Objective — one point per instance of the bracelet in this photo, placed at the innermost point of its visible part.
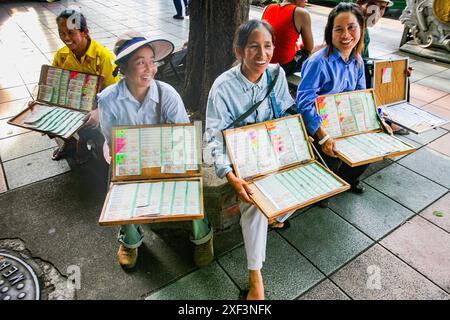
(324, 139)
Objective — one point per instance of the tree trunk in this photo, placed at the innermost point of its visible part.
(210, 50)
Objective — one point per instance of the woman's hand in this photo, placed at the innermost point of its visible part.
(387, 127)
(329, 148)
(241, 187)
(92, 120)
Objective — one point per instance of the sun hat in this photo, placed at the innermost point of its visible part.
(131, 41)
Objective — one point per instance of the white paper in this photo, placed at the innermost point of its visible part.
(386, 75)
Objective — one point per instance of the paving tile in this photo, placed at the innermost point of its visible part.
(426, 137)
(439, 111)
(326, 239)
(3, 185)
(24, 144)
(7, 130)
(209, 283)
(444, 74)
(443, 102)
(326, 290)
(287, 274)
(410, 189)
(375, 167)
(442, 205)
(436, 83)
(378, 275)
(429, 163)
(10, 109)
(441, 145)
(425, 93)
(372, 212)
(12, 94)
(32, 168)
(417, 102)
(10, 82)
(424, 247)
(426, 68)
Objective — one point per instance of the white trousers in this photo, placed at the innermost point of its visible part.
(254, 229)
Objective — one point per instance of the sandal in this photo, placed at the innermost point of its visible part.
(59, 154)
(286, 225)
(243, 294)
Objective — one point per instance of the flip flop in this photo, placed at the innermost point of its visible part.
(243, 294)
(59, 154)
(286, 225)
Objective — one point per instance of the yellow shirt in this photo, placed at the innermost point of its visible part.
(97, 60)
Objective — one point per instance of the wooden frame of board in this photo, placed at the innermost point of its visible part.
(259, 198)
(379, 129)
(19, 119)
(390, 88)
(151, 175)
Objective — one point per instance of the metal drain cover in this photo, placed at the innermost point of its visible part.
(18, 281)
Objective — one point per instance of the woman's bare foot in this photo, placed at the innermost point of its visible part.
(256, 286)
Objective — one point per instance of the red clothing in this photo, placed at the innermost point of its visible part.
(281, 18)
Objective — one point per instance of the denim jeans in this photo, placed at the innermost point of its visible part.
(131, 235)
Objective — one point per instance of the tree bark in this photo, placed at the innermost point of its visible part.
(210, 50)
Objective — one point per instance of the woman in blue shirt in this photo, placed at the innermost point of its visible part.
(138, 99)
(336, 68)
(232, 94)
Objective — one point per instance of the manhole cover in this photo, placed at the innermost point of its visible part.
(18, 281)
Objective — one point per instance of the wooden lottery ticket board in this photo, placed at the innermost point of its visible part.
(64, 98)
(351, 119)
(276, 159)
(156, 175)
(390, 84)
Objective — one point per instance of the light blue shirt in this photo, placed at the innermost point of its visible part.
(119, 107)
(326, 75)
(230, 96)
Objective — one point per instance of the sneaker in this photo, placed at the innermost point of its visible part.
(204, 253)
(357, 188)
(127, 257)
(178, 17)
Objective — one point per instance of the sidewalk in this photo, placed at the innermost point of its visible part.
(385, 244)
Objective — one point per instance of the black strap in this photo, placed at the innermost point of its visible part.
(256, 105)
(158, 105)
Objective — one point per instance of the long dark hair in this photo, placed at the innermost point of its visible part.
(344, 7)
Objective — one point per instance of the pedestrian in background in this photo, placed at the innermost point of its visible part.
(179, 8)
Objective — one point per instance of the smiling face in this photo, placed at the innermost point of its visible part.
(256, 55)
(75, 39)
(141, 68)
(346, 33)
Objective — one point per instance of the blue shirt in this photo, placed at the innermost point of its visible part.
(326, 75)
(119, 107)
(230, 96)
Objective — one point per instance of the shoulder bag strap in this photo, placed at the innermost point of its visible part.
(255, 106)
(158, 105)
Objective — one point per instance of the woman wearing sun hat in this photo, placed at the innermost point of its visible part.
(135, 100)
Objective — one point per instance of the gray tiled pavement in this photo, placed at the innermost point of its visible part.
(327, 254)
